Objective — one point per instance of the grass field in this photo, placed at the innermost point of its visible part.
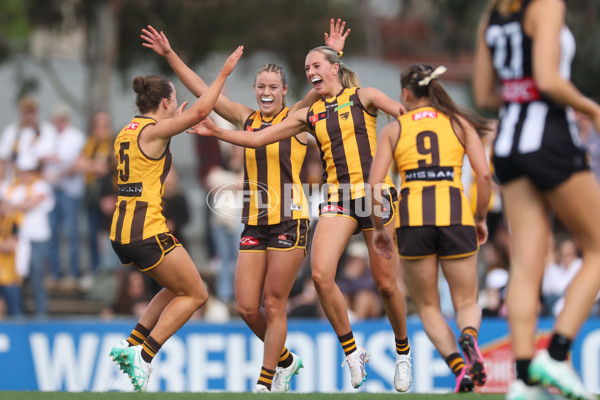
(239, 396)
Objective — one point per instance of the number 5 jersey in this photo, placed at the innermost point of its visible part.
(140, 179)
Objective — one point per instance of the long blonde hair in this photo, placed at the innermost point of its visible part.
(348, 78)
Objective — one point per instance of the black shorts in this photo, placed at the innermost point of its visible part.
(557, 159)
(287, 235)
(454, 241)
(148, 253)
(357, 210)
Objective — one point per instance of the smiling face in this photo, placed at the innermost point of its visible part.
(322, 75)
(270, 91)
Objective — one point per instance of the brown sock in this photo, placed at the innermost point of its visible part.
(138, 335)
(285, 359)
(348, 343)
(456, 363)
(266, 377)
(149, 349)
(402, 346)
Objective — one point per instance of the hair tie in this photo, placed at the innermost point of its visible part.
(434, 75)
(340, 54)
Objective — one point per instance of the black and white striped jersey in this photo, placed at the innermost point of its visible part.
(528, 119)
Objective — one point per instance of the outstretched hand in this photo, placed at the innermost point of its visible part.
(383, 244)
(181, 108)
(336, 37)
(156, 41)
(232, 60)
(205, 127)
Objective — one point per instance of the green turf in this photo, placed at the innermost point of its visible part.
(239, 396)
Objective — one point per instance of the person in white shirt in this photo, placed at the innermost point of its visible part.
(27, 137)
(558, 275)
(33, 196)
(61, 171)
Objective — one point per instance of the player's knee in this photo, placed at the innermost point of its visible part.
(322, 280)
(386, 288)
(246, 312)
(274, 307)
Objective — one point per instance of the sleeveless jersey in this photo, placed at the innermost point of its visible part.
(272, 176)
(429, 157)
(528, 118)
(9, 228)
(140, 182)
(347, 138)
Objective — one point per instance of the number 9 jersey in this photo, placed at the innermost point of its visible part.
(429, 156)
(140, 181)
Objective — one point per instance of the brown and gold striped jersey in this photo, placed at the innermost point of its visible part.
(429, 156)
(140, 182)
(272, 176)
(346, 134)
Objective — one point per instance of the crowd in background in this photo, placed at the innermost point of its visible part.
(53, 174)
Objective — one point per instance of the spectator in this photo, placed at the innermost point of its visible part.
(68, 184)
(134, 294)
(95, 163)
(558, 275)
(357, 285)
(34, 197)
(590, 140)
(496, 279)
(176, 208)
(28, 137)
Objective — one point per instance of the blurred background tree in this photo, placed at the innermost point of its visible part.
(394, 30)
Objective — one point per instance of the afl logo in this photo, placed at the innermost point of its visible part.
(228, 199)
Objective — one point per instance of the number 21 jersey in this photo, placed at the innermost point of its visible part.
(140, 181)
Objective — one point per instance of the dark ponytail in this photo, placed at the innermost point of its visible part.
(422, 81)
(150, 91)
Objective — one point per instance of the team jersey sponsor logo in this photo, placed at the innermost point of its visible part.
(520, 90)
(348, 104)
(251, 129)
(425, 114)
(317, 117)
(296, 207)
(333, 208)
(430, 174)
(133, 126)
(130, 189)
(248, 241)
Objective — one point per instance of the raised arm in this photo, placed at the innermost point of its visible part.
(166, 128)
(484, 75)
(379, 167)
(483, 175)
(374, 99)
(544, 21)
(292, 125)
(236, 113)
(336, 39)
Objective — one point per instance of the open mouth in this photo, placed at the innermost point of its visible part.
(316, 82)
(266, 100)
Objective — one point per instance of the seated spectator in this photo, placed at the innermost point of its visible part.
(357, 285)
(558, 275)
(496, 279)
(134, 295)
